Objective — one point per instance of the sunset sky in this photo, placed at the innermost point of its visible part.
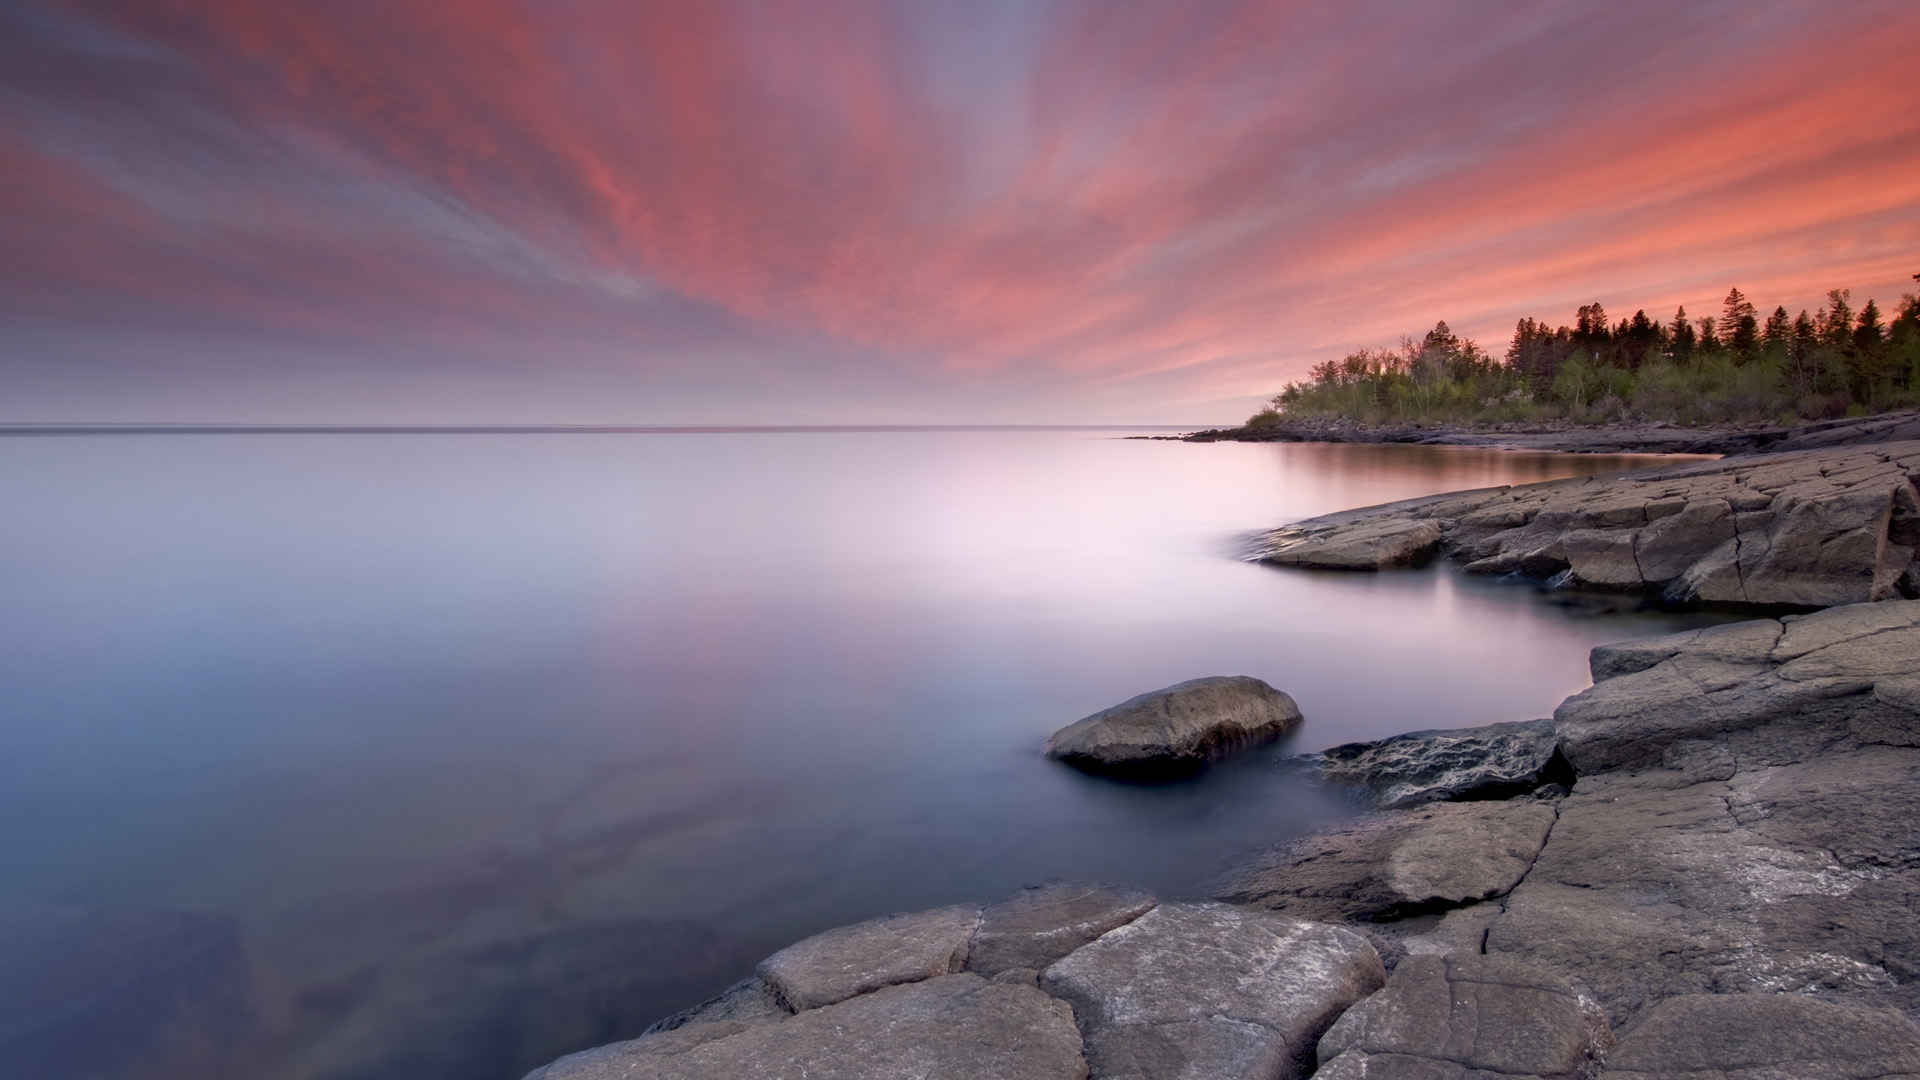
(838, 211)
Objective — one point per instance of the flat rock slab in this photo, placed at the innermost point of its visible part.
(1400, 863)
(1811, 529)
(1458, 1016)
(1177, 728)
(1495, 761)
(1212, 992)
(1816, 673)
(953, 1027)
(850, 960)
(1725, 875)
(1765, 1037)
(1037, 926)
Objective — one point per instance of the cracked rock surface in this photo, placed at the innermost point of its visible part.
(1731, 883)
(1765, 1037)
(1745, 820)
(1389, 866)
(1810, 528)
(1212, 992)
(1464, 1016)
(850, 960)
(1085, 981)
(958, 1026)
(1795, 684)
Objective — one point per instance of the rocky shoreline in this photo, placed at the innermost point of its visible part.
(1567, 437)
(1707, 865)
(1806, 529)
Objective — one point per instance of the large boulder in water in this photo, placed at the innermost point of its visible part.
(1178, 728)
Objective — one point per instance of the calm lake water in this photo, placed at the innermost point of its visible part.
(437, 756)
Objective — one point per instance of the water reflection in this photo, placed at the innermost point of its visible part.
(445, 755)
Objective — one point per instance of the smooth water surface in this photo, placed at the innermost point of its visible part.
(436, 756)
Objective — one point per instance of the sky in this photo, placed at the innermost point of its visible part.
(858, 211)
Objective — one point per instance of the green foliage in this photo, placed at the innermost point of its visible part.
(1729, 371)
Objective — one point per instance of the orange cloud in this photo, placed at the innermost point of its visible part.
(1205, 197)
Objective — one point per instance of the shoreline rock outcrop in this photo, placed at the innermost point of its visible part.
(1061, 982)
(1809, 529)
(1567, 437)
(1745, 819)
(1705, 865)
(1177, 728)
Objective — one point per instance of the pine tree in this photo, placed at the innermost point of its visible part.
(1803, 360)
(1865, 368)
(1836, 322)
(1778, 329)
(1739, 325)
(1708, 341)
(1680, 340)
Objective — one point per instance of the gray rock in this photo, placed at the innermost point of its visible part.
(1814, 676)
(749, 1001)
(1765, 1037)
(1367, 540)
(1037, 926)
(1498, 760)
(1177, 728)
(1726, 873)
(1396, 864)
(955, 1026)
(850, 960)
(1456, 1016)
(1814, 528)
(1211, 992)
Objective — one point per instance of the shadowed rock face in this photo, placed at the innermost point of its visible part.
(1389, 866)
(1495, 761)
(1806, 529)
(1800, 681)
(1178, 728)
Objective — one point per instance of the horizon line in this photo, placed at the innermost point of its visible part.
(170, 428)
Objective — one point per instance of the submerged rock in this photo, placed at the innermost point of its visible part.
(1211, 992)
(1806, 529)
(1177, 728)
(1458, 1016)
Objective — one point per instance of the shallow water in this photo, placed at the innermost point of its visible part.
(381, 755)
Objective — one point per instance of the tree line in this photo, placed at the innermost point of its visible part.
(1736, 367)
